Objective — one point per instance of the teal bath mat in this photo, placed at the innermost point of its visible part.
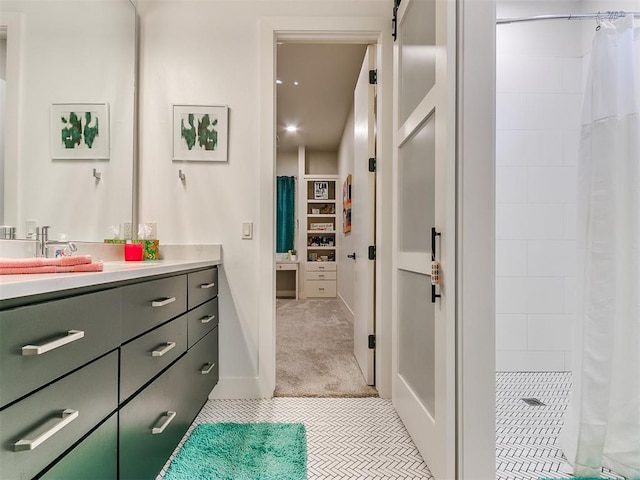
(242, 451)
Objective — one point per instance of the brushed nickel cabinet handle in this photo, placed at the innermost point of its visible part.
(207, 319)
(71, 336)
(170, 416)
(67, 416)
(208, 285)
(206, 368)
(162, 303)
(168, 346)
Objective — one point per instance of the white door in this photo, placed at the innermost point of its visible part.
(424, 198)
(363, 217)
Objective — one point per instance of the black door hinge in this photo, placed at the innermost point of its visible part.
(372, 342)
(372, 252)
(394, 20)
(372, 164)
(373, 77)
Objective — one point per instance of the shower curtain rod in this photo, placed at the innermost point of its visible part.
(577, 16)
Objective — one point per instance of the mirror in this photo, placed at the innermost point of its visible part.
(65, 56)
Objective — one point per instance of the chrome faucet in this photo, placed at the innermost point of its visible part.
(43, 243)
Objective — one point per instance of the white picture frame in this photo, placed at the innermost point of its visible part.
(80, 131)
(211, 145)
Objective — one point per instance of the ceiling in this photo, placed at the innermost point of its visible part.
(320, 104)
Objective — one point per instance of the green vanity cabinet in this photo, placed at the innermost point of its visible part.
(113, 401)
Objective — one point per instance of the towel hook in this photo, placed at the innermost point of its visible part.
(181, 175)
(97, 174)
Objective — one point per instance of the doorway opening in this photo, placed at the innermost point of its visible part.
(315, 252)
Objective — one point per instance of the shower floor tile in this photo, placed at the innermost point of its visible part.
(347, 438)
(526, 436)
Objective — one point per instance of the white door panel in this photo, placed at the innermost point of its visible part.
(424, 167)
(363, 217)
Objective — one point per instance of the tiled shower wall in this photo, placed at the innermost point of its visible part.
(539, 97)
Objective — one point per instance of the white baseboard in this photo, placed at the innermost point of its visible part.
(346, 308)
(236, 388)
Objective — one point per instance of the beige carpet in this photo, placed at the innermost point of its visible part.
(314, 351)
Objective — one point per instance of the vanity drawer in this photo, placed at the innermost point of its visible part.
(321, 275)
(148, 304)
(202, 320)
(86, 396)
(202, 370)
(321, 266)
(320, 288)
(143, 452)
(203, 286)
(96, 458)
(146, 356)
(41, 342)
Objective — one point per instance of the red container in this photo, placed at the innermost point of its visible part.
(133, 252)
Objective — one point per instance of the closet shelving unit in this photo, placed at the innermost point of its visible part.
(321, 215)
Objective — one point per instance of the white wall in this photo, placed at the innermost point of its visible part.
(539, 97)
(72, 52)
(321, 163)
(287, 164)
(346, 266)
(201, 53)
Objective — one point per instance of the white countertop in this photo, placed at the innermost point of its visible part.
(15, 286)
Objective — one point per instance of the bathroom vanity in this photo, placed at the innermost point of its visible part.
(101, 374)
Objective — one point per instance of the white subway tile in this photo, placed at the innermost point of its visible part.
(570, 292)
(544, 111)
(543, 147)
(550, 258)
(552, 184)
(528, 361)
(511, 332)
(511, 295)
(541, 75)
(570, 221)
(572, 75)
(511, 111)
(508, 74)
(511, 258)
(511, 184)
(572, 110)
(545, 295)
(541, 221)
(511, 147)
(512, 221)
(570, 146)
(549, 332)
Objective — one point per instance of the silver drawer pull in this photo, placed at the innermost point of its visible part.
(321, 288)
(168, 346)
(207, 319)
(162, 303)
(208, 285)
(68, 416)
(206, 368)
(170, 416)
(321, 275)
(71, 336)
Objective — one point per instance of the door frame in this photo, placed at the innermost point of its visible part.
(475, 288)
(372, 30)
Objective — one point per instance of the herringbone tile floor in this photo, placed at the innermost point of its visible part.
(526, 436)
(347, 438)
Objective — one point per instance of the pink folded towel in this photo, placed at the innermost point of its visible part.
(44, 262)
(96, 266)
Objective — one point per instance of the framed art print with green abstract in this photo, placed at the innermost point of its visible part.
(80, 131)
(200, 133)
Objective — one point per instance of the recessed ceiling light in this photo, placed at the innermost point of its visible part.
(295, 83)
(291, 128)
(279, 82)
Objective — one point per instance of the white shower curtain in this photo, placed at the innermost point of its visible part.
(602, 422)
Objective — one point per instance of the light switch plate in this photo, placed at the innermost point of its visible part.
(247, 230)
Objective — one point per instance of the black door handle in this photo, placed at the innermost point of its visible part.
(353, 255)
